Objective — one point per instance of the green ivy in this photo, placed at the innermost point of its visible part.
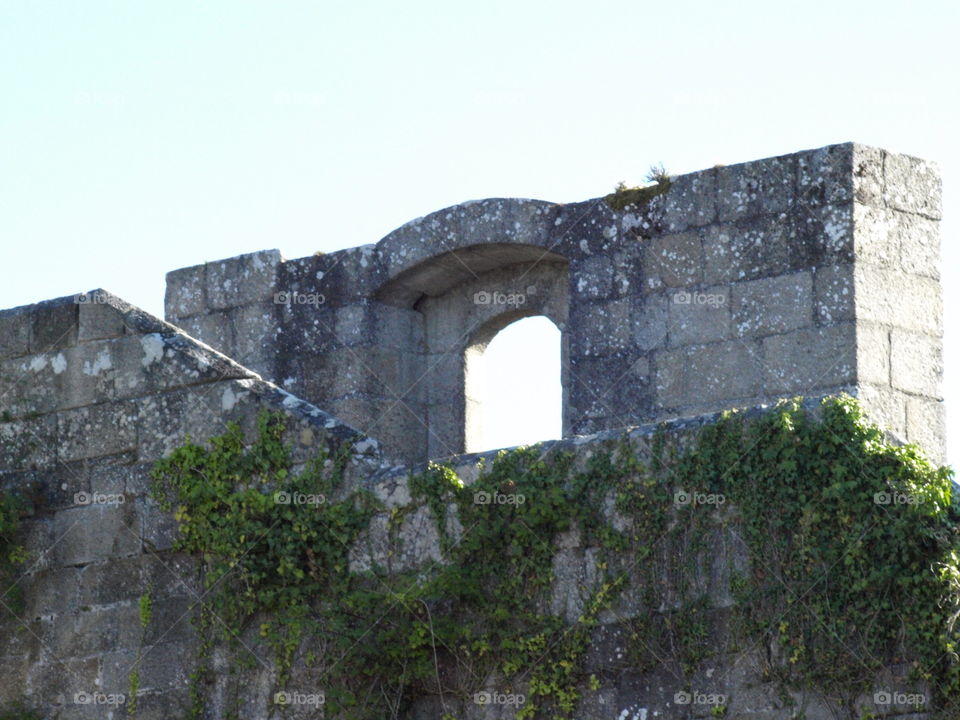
(12, 553)
(840, 581)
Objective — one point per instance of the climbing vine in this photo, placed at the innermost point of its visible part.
(11, 552)
(852, 541)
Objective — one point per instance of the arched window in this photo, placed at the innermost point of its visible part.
(513, 385)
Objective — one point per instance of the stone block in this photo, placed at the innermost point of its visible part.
(712, 374)
(54, 325)
(696, 317)
(39, 540)
(99, 321)
(99, 630)
(255, 330)
(876, 235)
(824, 176)
(754, 188)
(821, 235)
(87, 374)
(60, 681)
(613, 325)
(884, 407)
(214, 330)
(772, 305)
(13, 672)
(752, 248)
(171, 575)
(115, 580)
(31, 385)
(29, 444)
(49, 592)
(833, 294)
(95, 533)
(649, 316)
(691, 201)
(810, 359)
(628, 269)
(873, 354)
(674, 261)
(14, 333)
(158, 530)
(242, 280)
(613, 387)
(161, 667)
(344, 277)
(926, 426)
(171, 620)
(913, 185)
(916, 363)
(593, 278)
(164, 705)
(868, 175)
(186, 293)
(106, 429)
(896, 298)
(919, 244)
(401, 428)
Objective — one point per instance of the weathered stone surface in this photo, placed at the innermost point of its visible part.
(809, 359)
(833, 294)
(703, 374)
(825, 176)
(14, 333)
(885, 407)
(96, 430)
(915, 364)
(95, 533)
(868, 175)
(186, 292)
(99, 321)
(926, 426)
(755, 188)
(691, 201)
(873, 354)
(772, 305)
(674, 261)
(699, 317)
(802, 274)
(54, 325)
(912, 185)
(895, 298)
(242, 280)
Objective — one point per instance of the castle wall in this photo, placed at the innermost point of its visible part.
(94, 392)
(802, 274)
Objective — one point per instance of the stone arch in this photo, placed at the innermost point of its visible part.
(465, 296)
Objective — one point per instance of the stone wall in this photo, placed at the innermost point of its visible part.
(802, 274)
(93, 393)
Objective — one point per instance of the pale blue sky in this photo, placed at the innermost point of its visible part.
(140, 137)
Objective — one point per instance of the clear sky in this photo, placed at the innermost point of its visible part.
(139, 137)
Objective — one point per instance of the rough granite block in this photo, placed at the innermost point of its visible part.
(14, 333)
(186, 293)
(810, 359)
(913, 185)
(99, 321)
(772, 305)
(54, 325)
(916, 363)
(755, 188)
(698, 317)
(242, 280)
